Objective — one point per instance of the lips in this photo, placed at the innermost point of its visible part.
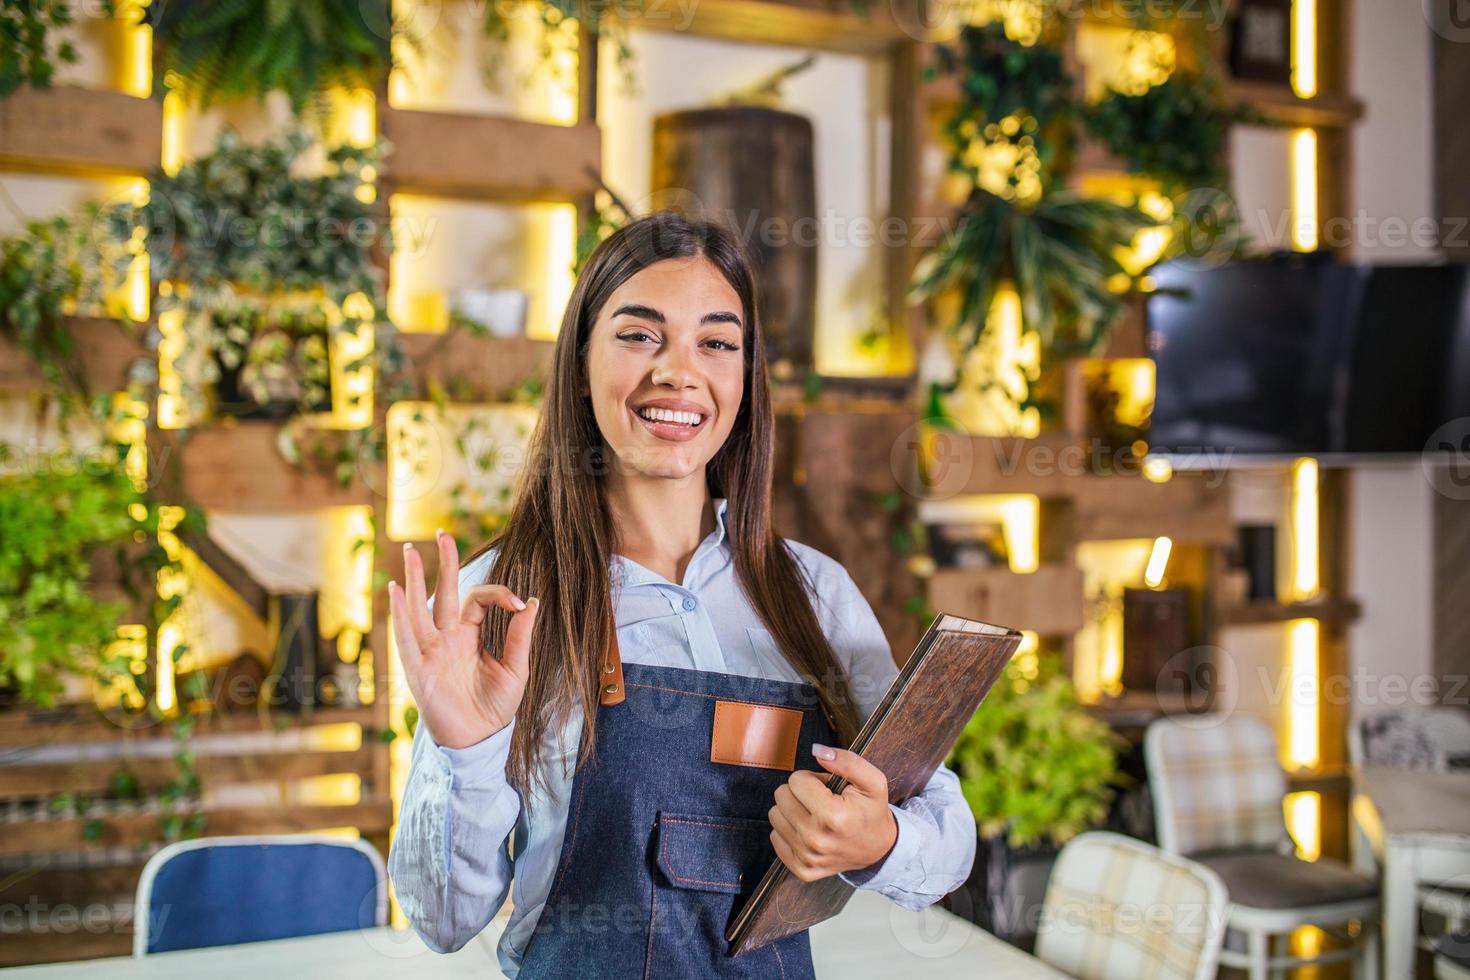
(671, 431)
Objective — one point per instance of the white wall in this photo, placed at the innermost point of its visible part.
(1391, 527)
(1391, 517)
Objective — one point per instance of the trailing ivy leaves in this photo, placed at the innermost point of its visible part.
(28, 54)
(1032, 763)
(212, 51)
(49, 271)
(243, 241)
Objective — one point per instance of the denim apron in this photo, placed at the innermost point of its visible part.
(663, 846)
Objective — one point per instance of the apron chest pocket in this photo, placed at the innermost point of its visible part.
(713, 854)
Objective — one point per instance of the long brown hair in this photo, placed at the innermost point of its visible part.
(559, 538)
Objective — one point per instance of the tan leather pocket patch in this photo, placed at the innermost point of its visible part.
(755, 735)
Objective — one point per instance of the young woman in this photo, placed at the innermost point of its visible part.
(625, 700)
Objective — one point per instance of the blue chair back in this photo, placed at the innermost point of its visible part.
(219, 891)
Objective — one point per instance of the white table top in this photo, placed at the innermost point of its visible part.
(871, 938)
(1409, 801)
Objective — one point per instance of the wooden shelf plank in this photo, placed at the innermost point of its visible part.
(1337, 611)
(138, 829)
(826, 25)
(487, 367)
(74, 723)
(492, 158)
(93, 776)
(103, 352)
(1047, 601)
(1189, 508)
(239, 468)
(78, 131)
(1279, 104)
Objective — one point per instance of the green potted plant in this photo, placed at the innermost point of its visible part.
(62, 515)
(1037, 769)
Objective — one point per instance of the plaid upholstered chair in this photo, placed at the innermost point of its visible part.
(1218, 792)
(1118, 909)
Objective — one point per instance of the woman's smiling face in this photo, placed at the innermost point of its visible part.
(666, 367)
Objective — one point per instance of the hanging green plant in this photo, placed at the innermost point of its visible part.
(29, 53)
(557, 24)
(212, 51)
(1175, 132)
(1033, 764)
(248, 246)
(1011, 97)
(50, 271)
(1060, 253)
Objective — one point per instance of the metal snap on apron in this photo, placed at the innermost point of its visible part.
(664, 845)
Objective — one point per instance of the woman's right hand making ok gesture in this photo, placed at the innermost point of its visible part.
(464, 693)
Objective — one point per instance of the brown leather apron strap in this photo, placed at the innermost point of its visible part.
(610, 678)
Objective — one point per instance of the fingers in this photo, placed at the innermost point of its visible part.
(416, 597)
(860, 774)
(783, 826)
(446, 588)
(477, 603)
(810, 790)
(408, 647)
(517, 653)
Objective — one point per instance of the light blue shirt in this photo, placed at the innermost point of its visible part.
(454, 857)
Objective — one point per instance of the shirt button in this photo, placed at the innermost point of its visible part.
(690, 604)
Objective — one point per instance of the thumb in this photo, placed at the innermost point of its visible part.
(861, 775)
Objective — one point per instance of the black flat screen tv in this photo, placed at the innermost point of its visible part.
(1301, 355)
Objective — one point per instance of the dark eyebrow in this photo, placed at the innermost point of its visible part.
(649, 313)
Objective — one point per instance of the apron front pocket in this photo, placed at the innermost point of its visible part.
(713, 854)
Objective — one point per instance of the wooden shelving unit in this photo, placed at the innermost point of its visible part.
(83, 848)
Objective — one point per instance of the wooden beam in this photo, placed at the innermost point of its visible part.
(1048, 600)
(78, 723)
(475, 367)
(239, 468)
(139, 829)
(825, 25)
(1336, 611)
(1279, 104)
(78, 131)
(93, 776)
(491, 158)
(1189, 508)
(103, 352)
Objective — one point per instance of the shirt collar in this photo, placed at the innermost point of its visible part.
(631, 573)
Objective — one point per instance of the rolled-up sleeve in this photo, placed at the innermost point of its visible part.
(935, 847)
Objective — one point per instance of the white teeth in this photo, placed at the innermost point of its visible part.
(665, 415)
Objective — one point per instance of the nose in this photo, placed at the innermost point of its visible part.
(673, 368)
